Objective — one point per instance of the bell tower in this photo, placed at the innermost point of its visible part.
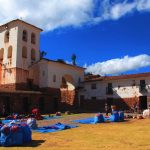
(19, 49)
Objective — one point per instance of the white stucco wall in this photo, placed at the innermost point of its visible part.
(25, 62)
(49, 68)
(15, 40)
(126, 90)
(8, 75)
(13, 31)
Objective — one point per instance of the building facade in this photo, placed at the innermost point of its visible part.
(123, 91)
(26, 80)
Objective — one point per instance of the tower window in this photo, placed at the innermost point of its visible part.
(32, 54)
(6, 37)
(33, 38)
(54, 78)
(9, 55)
(24, 52)
(1, 53)
(43, 73)
(93, 86)
(24, 35)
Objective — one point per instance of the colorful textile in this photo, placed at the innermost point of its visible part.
(15, 134)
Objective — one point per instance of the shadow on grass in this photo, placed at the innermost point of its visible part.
(34, 143)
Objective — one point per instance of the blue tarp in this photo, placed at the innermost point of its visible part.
(116, 117)
(85, 121)
(15, 134)
(5, 121)
(9, 121)
(54, 128)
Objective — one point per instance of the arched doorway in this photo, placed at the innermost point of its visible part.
(6, 105)
(68, 82)
(42, 104)
(55, 103)
(67, 90)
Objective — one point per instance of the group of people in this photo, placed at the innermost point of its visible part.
(109, 108)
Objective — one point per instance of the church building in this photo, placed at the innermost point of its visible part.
(26, 79)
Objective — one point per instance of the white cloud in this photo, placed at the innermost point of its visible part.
(120, 10)
(119, 65)
(53, 14)
(48, 14)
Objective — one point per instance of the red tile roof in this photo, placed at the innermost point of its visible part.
(91, 78)
(22, 22)
(63, 63)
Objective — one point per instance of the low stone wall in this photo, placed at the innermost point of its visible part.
(99, 105)
(92, 105)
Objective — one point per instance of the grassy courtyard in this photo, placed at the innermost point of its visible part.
(128, 135)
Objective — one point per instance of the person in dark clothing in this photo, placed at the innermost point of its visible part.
(106, 109)
(135, 107)
(3, 111)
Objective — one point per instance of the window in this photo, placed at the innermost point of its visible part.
(110, 85)
(133, 83)
(93, 86)
(6, 39)
(142, 86)
(54, 78)
(42, 104)
(1, 53)
(79, 80)
(43, 73)
(82, 97)
(33, 38)
(32, 54)
(24, 52)
(24, 35)
(93, 98)
(109, 89)
(9, 55)
(142, 82)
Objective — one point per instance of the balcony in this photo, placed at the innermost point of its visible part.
(109, 90)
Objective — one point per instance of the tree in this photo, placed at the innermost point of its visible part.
(73, 59)
(42, 54)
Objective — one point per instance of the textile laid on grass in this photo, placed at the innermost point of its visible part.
(85, 121)
(15, 134)
(99, 118)
(5, 121)
(54, 128)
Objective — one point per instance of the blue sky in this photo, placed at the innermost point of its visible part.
(111, 39)
(129, 35)
(107, 36)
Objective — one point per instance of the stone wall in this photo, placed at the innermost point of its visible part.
(99, 105)
(24, 102)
